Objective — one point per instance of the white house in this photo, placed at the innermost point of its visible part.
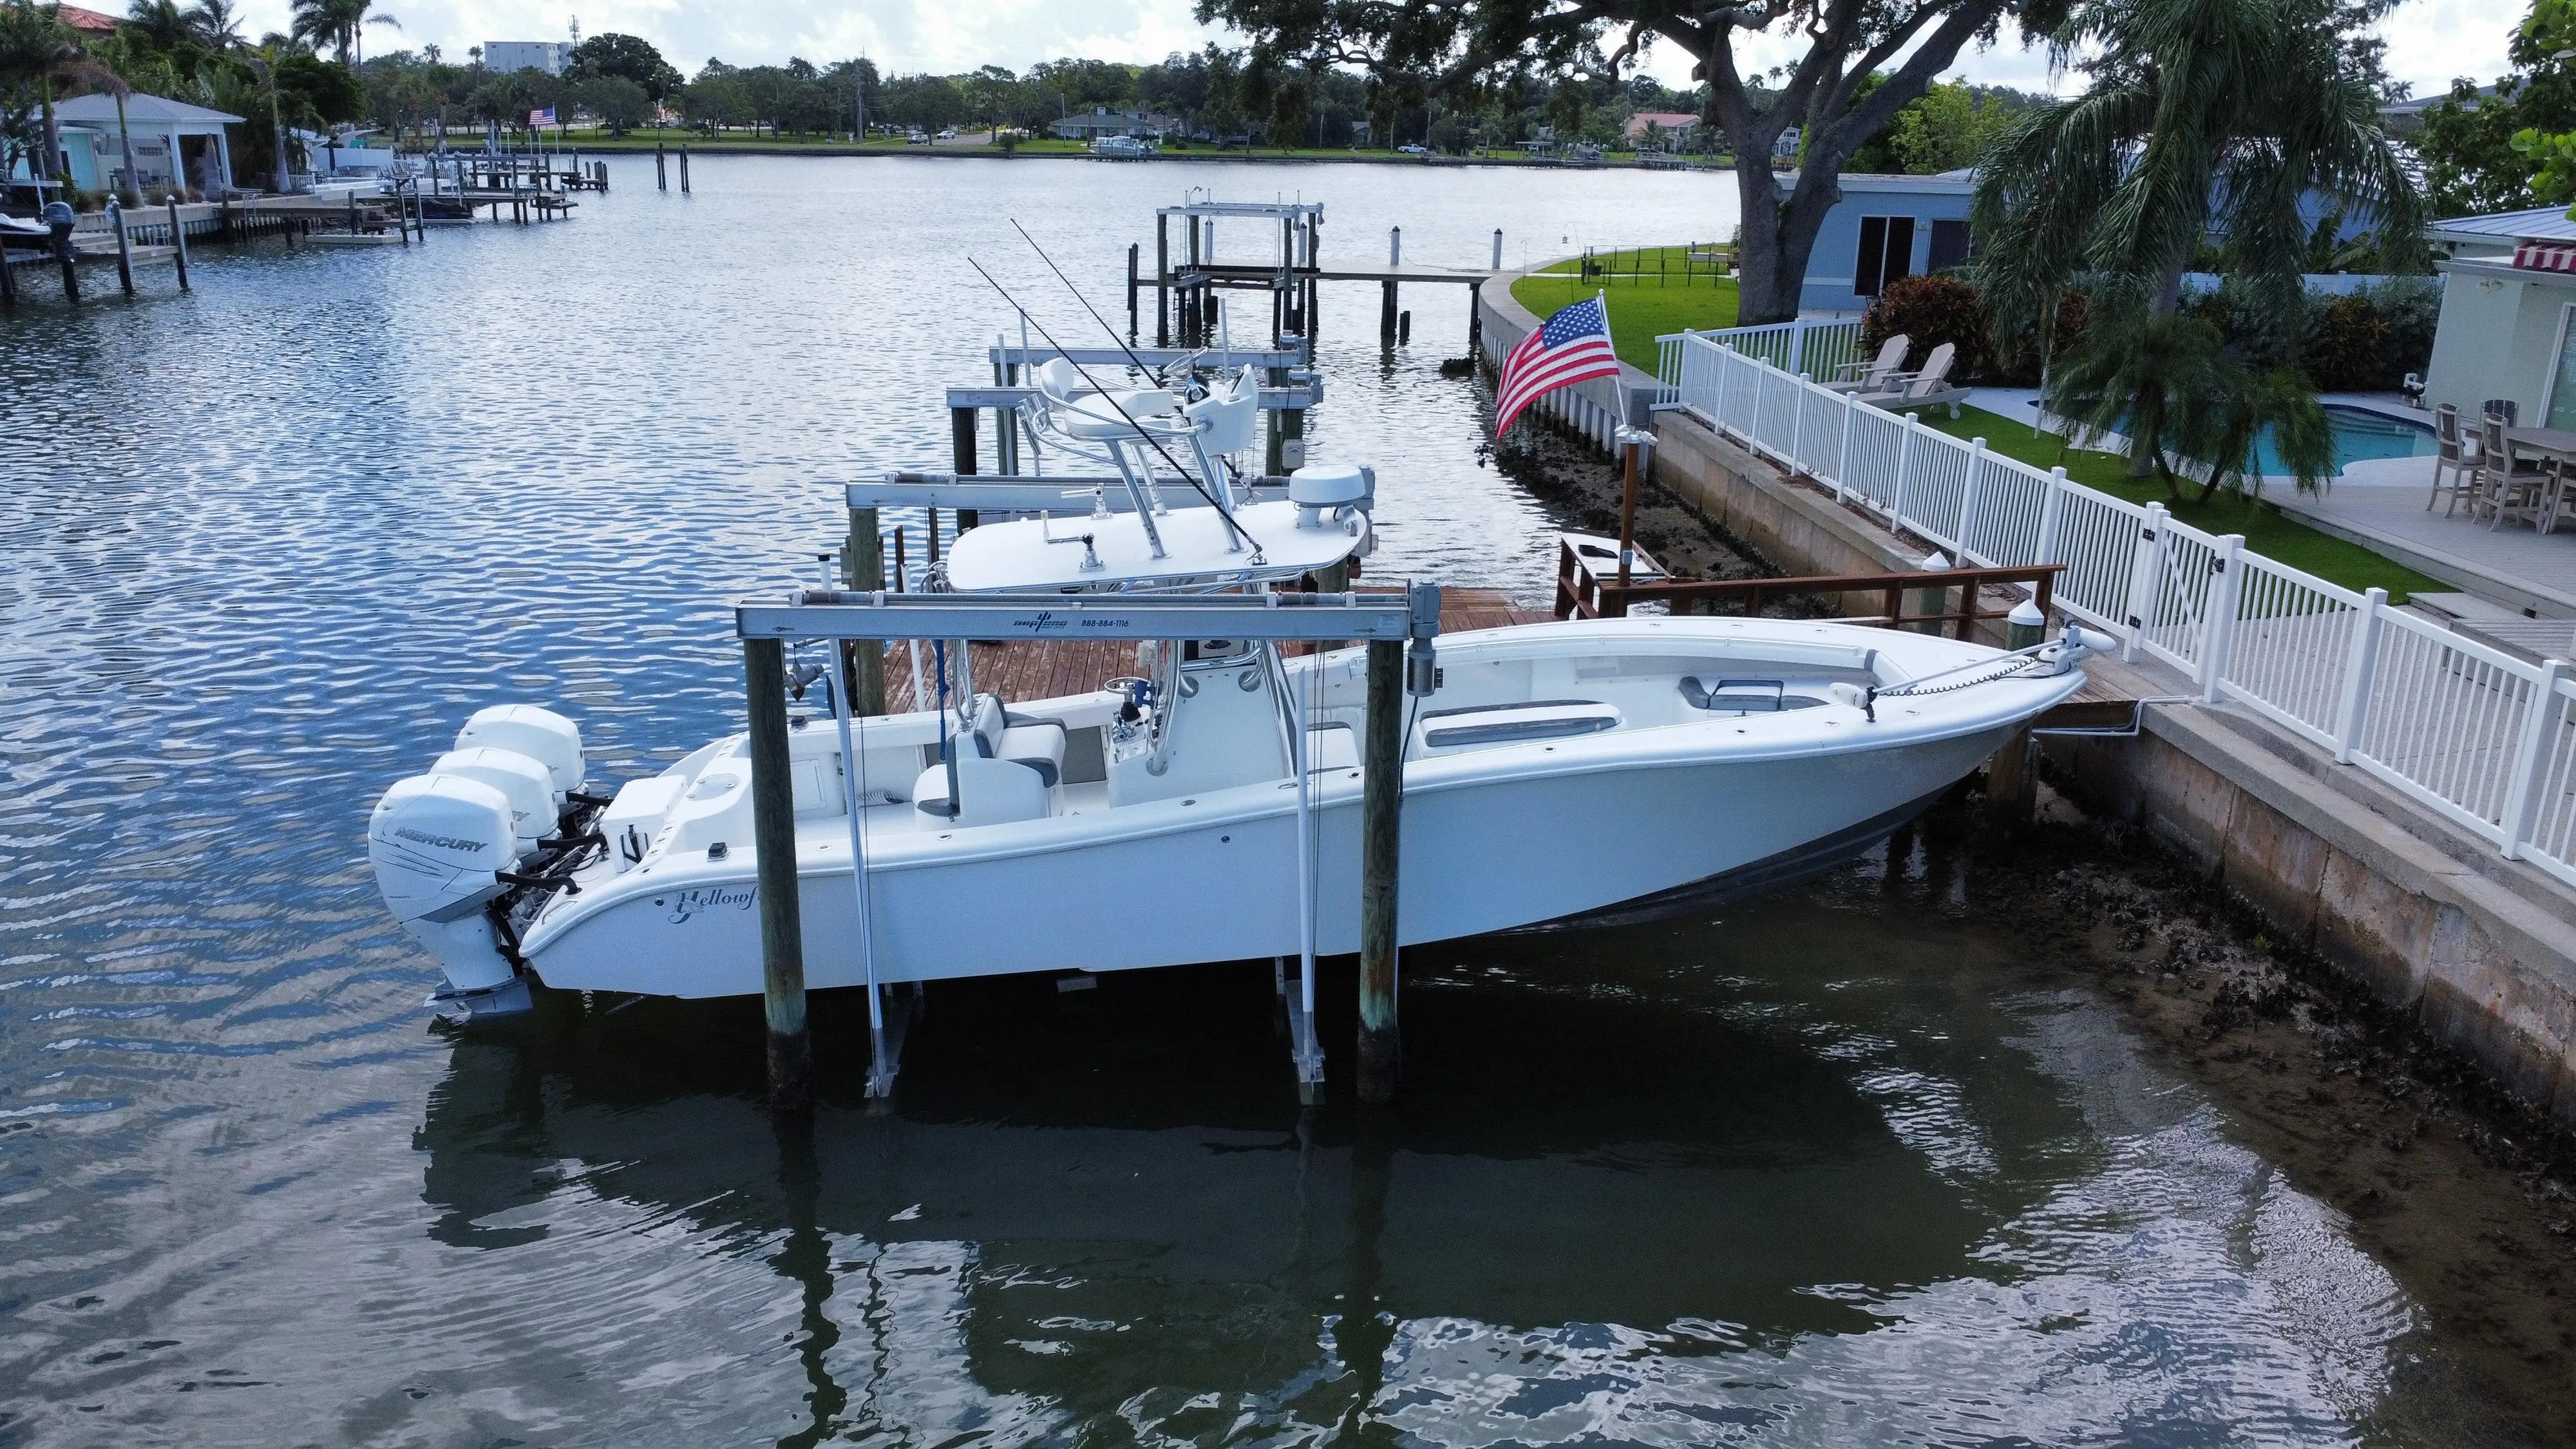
(177, 146)
(2508, 295)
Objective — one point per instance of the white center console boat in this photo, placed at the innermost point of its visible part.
(1551, 770)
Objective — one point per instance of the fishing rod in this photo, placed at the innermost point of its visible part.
(1132, 358)
(1124, 415)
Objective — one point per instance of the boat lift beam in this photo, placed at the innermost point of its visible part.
(1399, 630)
(1317, 618)
(1154, 357)
(992, 493)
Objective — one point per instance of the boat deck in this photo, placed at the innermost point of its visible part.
(1052, 668)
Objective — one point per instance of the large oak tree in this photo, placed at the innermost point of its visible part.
(1457, 47)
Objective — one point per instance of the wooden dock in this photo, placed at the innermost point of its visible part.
(1023, 669)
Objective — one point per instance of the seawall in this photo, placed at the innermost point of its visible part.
(2478, 951)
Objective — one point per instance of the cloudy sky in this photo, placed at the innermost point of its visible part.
(2430, 41)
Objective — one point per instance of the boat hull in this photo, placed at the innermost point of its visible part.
(1213, 878)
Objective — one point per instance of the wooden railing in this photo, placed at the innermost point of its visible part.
(1904, 599)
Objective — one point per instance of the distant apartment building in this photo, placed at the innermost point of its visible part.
(550, 56)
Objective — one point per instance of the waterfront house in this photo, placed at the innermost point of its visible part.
(1883, 228)
(2508, 297)
(1102, 121)
(1675, 126)
(177, 146)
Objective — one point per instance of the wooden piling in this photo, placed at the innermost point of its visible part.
(1628, 511)
(2012, 780)
(178, 242)
(124, 249)
(1404, 328)
(1132, 250)
(1386, 313)
(1475, 319)
(71, 274)
(684, 171)
(1162, 280)
(863, 568)
(782, 926)
(961, 441)
(1381, 816)
(661, 167)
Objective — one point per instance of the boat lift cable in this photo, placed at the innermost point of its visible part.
(1108, 397)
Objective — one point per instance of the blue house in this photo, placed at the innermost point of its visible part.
(1885, 227)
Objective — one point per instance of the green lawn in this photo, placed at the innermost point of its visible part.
(1640, 310)
(2267, 530)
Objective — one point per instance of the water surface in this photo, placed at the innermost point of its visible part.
(1836, 1168)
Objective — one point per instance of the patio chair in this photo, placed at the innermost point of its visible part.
(2452, 451)
(2515, 488)
(1926, 389)
(1872, 376)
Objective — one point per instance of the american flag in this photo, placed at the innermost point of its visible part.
(1571, 346)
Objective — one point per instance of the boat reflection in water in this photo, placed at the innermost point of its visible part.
(1619, 1205)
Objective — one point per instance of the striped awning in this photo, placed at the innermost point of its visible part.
(2539, 256)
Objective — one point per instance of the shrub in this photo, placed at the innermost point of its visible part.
(1930, 311)
(2369, 341)
(2017, 360)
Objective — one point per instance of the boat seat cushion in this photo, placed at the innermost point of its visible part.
(993, 792)
(1486, 726)
(985, 723)
(1039, 745)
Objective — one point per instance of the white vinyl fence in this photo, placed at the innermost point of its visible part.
(2487, 740)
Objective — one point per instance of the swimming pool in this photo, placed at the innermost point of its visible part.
(2359, 433)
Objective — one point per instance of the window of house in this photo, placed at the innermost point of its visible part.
(2561, 412)
(1949, 246)
(1886, 253)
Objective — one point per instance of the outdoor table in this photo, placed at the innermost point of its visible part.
(2556, 444)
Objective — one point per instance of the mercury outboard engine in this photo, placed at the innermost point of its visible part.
(436, 842)
(465, 852)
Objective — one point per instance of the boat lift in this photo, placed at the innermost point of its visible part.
(1399, 630)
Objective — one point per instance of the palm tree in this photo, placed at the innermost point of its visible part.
(217, 23)
(2171, 387)
(160, 21)
(2207, 122)
(336, 23)
(37, 49)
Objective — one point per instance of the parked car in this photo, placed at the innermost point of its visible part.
(950, 134)
(916, 138)
(1412, 150)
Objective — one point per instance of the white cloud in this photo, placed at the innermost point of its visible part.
(2429, 41)
(901, 35)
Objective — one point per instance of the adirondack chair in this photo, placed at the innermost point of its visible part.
(1873, 376)
(1928, 388)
